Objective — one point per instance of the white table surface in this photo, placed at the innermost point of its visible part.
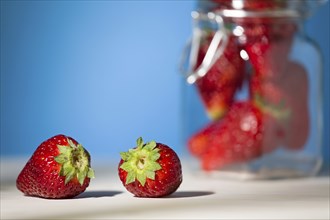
(199, 197)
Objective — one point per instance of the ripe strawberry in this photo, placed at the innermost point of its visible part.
(295, 84)
(198, 143)
(268, 45)
(286, 100)
(272, 101)
(59, 168)
(150, 170)
(270, 97)
(217, 88)
(244, 134)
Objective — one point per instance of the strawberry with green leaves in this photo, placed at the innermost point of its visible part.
(150, 170)
(58, 169)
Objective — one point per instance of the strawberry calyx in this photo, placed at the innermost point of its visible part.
(74, 161)
(217, 111)
(140, 162)
(279, 111)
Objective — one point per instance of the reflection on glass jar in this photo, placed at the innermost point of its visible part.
(252, 97)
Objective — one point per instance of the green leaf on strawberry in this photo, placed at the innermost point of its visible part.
(75, 162)
(280, 111)
(150, 170)
(141, 163)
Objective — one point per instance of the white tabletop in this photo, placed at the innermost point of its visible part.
(199, 197)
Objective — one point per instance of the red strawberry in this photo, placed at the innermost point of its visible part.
(243, 135)
(286, 100)
(295, 84)
(150, 170)
(238, 139)
(59, 168)
(272, 101)
(198, 143)
(270, 97)
(268, 46)
(217, 88)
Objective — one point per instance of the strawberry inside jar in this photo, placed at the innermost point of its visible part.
(252, 56)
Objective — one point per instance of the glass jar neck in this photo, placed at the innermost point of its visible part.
(238, 13)
(260, 8)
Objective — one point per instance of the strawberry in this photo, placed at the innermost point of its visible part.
(237, 140)
(272, 101)
(268, 46)
(244, 134)
(59, 168)
(217, 88)
(295, 84)
(150, 170)
(198, 143)
(286, 100)
(270, 97)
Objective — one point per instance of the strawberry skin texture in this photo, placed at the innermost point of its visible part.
(166, 180)
(41, 175)
(268, 45)
(197, 144)
(218, 87)
(238, 139)
(295, 85)
(286, 99)
(243, 135)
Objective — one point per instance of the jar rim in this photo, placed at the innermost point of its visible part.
(293, 9)
(239, 13)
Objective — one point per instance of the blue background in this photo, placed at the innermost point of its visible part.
(103, 72)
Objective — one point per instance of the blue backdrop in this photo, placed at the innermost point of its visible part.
(103, 72)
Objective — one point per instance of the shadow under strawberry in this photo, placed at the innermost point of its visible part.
(98, 194)
(188, 194)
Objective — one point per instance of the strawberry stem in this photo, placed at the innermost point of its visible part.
(141, 163)
(75, 162)
(279, 111)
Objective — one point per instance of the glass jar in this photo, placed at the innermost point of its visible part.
(252, 94)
